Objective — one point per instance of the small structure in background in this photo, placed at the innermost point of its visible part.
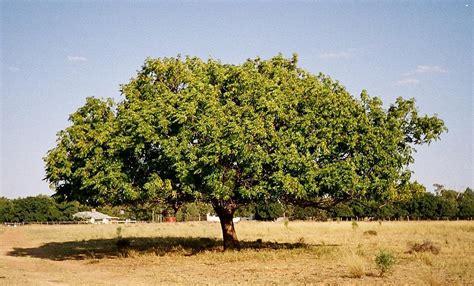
(248, 218)
(95, 217)
(214, 218)
(170, 219)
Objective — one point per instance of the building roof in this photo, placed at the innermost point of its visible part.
(93, 214)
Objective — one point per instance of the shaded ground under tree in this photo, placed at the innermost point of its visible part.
(121, 247)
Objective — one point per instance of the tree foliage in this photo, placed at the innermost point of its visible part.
(264, 130)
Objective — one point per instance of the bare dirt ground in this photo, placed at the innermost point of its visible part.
(272, 253)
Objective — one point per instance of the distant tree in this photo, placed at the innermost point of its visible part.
(447, 201)
(342, 210)
(466, 204)
(193, 211)
(269, 211)
(68, 209)
(244, 211)
(448, 204)
(438, 188)
(7, 211)
(303, 213)
(39, 208)
(144, 212)
(424, 206)
(230, 135)
(387, 212)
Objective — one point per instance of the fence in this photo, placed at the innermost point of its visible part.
(67, 222)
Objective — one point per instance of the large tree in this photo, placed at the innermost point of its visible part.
(265, 130)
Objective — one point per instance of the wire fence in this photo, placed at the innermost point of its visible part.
(71, 222)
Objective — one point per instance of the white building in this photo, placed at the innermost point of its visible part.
(95, 217)
(214, 218)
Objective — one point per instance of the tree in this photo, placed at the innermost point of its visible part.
(342, 211)
(68, 209)
(81, 167)
(229, 135)
(268, 211)
(38, 208)
(7, 211)
(297, 212)
(448, 204)
(424, 205)
(466, 204)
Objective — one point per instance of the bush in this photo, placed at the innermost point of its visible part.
(384, 262)
(370, 232)
(426, 246)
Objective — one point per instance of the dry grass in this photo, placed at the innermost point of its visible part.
(434, 279)
(356, 265)
(273, 253)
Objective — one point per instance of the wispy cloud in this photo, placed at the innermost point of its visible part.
(76, 59)
(13, 69)
(411, 78)
(336, 55)
(430, 69)
(425, 69)
(408, 82)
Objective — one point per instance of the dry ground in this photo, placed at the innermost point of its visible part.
(273, 253)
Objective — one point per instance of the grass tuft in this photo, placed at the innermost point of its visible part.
(356, 266)
(355, 225)
(129, 253)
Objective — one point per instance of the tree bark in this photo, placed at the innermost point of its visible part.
(225, 212)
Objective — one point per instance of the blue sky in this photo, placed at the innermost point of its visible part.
(55, 54)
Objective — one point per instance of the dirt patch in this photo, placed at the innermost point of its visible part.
(12, 237)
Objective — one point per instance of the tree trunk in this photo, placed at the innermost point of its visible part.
(225, 212)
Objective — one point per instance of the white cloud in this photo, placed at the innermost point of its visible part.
(335, 55)
(430, 69)
(408, 82)
(410, 78)
(76, 59)
(13, 69)
(425, 69)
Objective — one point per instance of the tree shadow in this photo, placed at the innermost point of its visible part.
(123, 247)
